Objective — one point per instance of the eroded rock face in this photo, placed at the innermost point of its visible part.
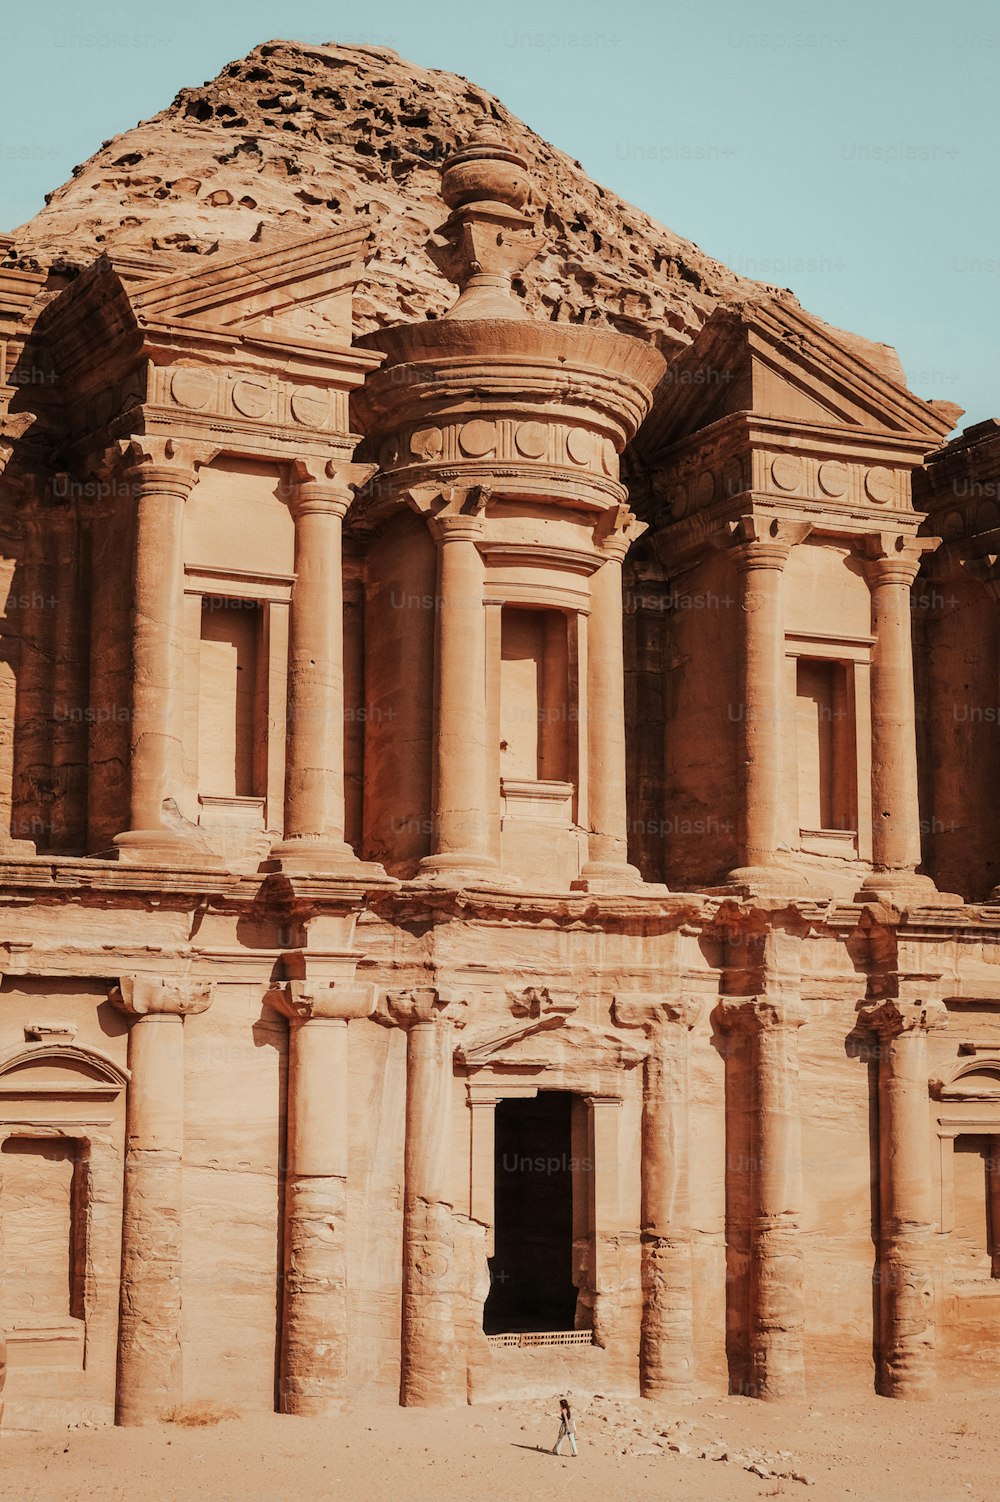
(294, 139)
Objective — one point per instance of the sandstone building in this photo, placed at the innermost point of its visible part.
(498, 793)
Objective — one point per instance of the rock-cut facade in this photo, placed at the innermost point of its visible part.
(498, 829)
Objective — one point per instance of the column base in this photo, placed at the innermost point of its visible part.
(145, 847)
(905, 889)
(765, 881)
(610, 877)
(307, 854)
(462, 868)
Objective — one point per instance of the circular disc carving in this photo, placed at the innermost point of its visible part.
(252, 398)
(580, 445)
(786, 472)
(833, 477)
(477, 439)
(609, 459)
(311, 406)
(427, 443)
(879, 486)
(531, 439)
(191, 388)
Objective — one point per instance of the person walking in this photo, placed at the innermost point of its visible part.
(567, 1429)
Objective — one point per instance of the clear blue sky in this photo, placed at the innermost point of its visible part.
(849, 152)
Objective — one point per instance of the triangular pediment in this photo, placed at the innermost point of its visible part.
(775, 362)
(298, 293)
(299, 290)
(545, 1041)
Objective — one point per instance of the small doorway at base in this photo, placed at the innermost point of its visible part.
(531, 1271)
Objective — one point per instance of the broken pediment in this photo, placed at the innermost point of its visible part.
(297, 293)
(299, 290)
(777, 363)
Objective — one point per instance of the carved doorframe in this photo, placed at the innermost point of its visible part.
(593, 1064)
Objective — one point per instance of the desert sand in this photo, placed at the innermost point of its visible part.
(881, 1452)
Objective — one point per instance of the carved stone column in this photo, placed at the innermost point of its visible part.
(464, 764)
(314, 757)
(29, 651)
(315, 1310)
(68, 708)
(904, 1275)
(666, 1352)
(607, 866)
(760, 554)
(162, 476)
(149, 1332)
(766, 1025)
(429, 1366)
(891, 562)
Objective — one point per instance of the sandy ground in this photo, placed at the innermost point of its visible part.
(879, 1452)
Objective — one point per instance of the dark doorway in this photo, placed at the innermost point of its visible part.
(531, 1271)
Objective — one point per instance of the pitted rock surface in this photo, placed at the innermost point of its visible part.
(295, 139)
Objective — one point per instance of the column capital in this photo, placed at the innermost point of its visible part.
(454, 513)
(760, 542)
(616, 530)
(893, 1017)
(422, 1004)
(330, 1001)
(161, 996)
(541, 1001)
(763, 1013)
(325, 487)
(639, 1009)
(158, 465)
(894, 557)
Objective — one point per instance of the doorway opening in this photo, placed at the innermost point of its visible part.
(531, 1271)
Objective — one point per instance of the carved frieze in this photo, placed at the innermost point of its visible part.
(812, 477)
(243, 396)
(506, 440)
